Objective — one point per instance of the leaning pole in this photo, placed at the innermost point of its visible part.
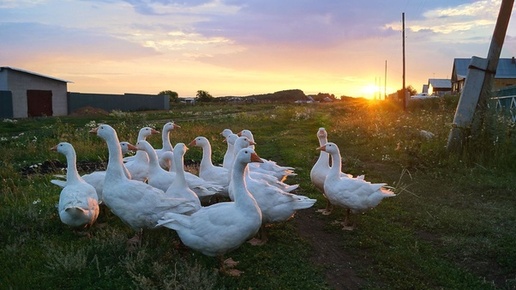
(479, 80)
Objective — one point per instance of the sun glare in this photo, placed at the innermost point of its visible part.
(370, 91)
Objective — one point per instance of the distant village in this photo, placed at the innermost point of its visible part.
(29, 94)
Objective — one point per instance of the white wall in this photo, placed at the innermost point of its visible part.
(19, 82)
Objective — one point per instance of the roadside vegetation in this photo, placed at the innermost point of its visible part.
(451, 225)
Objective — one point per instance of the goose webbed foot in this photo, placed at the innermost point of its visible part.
(135, 242)
(227, 267)
(261, 238)
(327, 210)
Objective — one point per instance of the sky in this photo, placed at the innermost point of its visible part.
(240, 48)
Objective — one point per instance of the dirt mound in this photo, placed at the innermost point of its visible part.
(89, 111)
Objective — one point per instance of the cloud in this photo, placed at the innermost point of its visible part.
(35, 40)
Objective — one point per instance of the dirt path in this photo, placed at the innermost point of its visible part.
(327, 251)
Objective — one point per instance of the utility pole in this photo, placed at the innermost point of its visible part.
(403, 90)
(385, 82)
(477, 88)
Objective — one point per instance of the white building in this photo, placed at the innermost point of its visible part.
(28, 94)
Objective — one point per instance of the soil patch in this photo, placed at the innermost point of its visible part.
(89, 111)
(56, 166)
(327, 251)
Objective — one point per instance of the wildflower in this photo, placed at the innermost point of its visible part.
(36, 201)
(91, 124)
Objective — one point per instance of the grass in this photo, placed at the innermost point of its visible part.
(451, 225)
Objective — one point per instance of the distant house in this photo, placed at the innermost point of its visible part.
(439, 87)
(425, 89)
(28, 94)
(505, 73)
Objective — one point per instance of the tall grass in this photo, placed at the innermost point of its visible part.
(451, 225)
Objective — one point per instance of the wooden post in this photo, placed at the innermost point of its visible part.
(477, 88)
(493, 55)
(404, 89)
(468, 101)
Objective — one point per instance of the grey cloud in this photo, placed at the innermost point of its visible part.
(38, 39)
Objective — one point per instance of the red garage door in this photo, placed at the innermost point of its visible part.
(39, 103)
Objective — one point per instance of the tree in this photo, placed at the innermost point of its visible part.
(203, 96)
(411, 90)
(173, 96)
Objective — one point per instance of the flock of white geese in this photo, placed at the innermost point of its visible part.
(152, 189)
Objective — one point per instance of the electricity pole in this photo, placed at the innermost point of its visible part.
(403, 90)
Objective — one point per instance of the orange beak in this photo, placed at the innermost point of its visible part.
(256, 158)
(94, 130)
(131, 147)
(193, 143)
(322, 148)
(53, 148)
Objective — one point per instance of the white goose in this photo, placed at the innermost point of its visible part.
(230, 138)
(207, 171)
(165, 140)
(277, 205)
(96, 178)
(137, 204)
(78, 202)
(138, 165)
(268, 166)
(219, 228)
(162, 179)
(179, 187)
(354, 194)
(321, 168)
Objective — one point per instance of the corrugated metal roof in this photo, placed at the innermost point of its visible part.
(506, 68)
(33, 73)
(440, 83)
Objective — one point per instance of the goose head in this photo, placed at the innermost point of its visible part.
(169, 126)
(199, 141)
(329, 147)
(247, 155)
(104, 131)
(226, 132)
(321, 133)
(143, 146)
(62, 147)
(146, 132)
(127, 147)
(180, 148)
(246, 133)
(243, 142)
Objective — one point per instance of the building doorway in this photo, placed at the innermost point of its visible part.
(39, 103)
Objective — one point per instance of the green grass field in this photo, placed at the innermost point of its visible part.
(450, 227)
